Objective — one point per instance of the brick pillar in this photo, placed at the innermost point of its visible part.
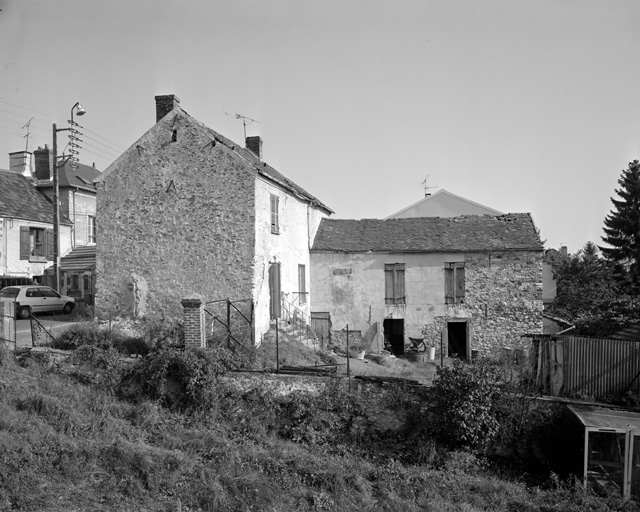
(193, 319)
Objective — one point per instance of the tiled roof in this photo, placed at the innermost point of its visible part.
(79, 259)
(82, 176)
(20, 199)
(263, 168)
(513, 231)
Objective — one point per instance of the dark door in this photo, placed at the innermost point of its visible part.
(274, 290)
(457, 346)
(394, 335)
(321, 325)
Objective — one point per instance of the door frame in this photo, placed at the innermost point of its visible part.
(467, 334)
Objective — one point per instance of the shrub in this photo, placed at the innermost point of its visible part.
(465, 399)
(178, 378)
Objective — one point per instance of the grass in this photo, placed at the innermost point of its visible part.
(68, 446)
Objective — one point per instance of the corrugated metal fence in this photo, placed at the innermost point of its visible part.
(594, 367)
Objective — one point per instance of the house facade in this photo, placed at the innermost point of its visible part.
(77, 196)
(473, 283)
(26, 224)
(443, 204)
(185, 210)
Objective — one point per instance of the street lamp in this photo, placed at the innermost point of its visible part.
(56, 192)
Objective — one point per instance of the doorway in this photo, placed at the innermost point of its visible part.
(394, 335)
(457, 339)
(274, 290)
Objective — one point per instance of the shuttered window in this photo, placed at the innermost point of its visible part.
(36, 243)
(275, 214)
(394, 283)
(454, 283)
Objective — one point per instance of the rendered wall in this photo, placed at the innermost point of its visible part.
(10, 262)
(503, 294)
(298, 222)
(174, 218)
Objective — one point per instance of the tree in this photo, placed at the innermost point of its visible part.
(584, 282)
(622, 227)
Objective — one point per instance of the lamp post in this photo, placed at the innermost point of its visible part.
(56, 195)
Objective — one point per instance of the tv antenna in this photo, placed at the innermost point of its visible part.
(424, 185)
(27, 126)
(245, 120)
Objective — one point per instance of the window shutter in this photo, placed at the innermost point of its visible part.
(49, 244)
(388, 284)
(459, 281)
(449, 284)
(25, 243)
(400, 284)
(275, 221)
(302, 284)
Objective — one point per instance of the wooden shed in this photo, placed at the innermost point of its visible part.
(605, 449)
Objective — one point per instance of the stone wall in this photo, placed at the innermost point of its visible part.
(176, 210)
(503, 298)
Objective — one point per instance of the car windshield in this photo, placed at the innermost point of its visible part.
(9, 292)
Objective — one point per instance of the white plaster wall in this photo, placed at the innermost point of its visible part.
(298, 222)
(351, 287)
(81, 205)
(10, 248)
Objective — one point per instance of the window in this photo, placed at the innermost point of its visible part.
(36, 244)
(454, 283)
(302, 285)
(275, 220)
(92, 229)
(394, 283)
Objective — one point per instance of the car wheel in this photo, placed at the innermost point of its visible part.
(24, 313)
(68, 308)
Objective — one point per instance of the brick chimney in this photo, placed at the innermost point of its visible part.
(254, 144)
(43, 162)
(165, 104)
(20, 163)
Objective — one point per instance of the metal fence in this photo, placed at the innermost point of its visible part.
(230, 321)
(593, 367)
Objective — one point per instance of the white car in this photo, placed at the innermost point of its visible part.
(35, 299)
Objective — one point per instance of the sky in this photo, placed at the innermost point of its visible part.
(522, 106)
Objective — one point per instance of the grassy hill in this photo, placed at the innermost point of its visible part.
(96, 432)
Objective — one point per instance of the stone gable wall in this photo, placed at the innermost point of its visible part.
(503, 301)
(175, 216)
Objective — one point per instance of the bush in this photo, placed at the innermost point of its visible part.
(465, 400)
(178, 378)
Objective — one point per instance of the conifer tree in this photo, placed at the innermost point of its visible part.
(622, 226)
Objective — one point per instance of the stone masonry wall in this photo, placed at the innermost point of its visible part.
(176, 211)
(503, 298)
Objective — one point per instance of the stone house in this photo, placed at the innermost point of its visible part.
(187, 211)
(474, 282)
(26, 224)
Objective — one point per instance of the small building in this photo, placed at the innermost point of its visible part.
(472, 283)
(603, 449)
(185, 210)
(26, 224)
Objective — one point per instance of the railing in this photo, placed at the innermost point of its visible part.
(298, 321)
(231, 321)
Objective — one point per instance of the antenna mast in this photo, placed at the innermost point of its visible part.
(424, 185)
(27, 125)
(245, 120)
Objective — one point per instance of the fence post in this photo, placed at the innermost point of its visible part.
(193, 319)
(7, 319)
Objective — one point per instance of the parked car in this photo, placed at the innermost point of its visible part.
(36, 299)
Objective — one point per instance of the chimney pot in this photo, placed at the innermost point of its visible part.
(165, 104)
(254, 144)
